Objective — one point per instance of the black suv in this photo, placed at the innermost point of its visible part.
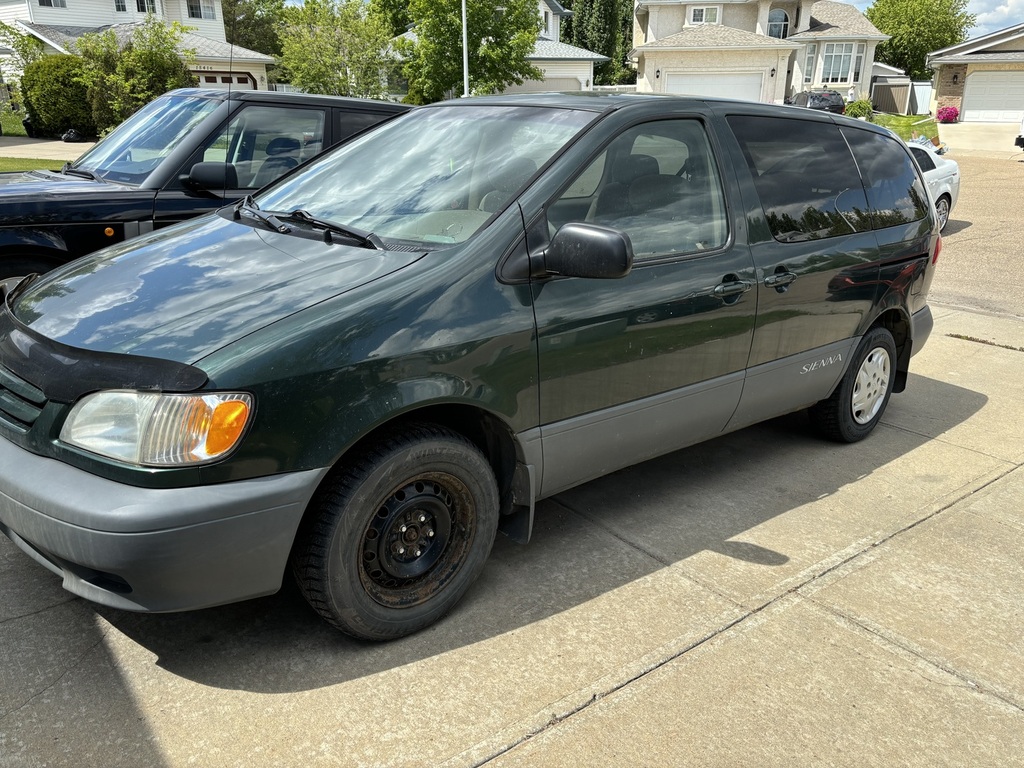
(186, 153)
(365, 370)
(828, 100)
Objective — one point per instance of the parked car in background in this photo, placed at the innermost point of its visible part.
(364, 371)
(822, 98)
(186, 153)
(941, 174)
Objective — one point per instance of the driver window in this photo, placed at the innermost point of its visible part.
(262, 143)
(658, 183)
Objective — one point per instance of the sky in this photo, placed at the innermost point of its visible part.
(992, 15)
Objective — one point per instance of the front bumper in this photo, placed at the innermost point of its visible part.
(146, 549)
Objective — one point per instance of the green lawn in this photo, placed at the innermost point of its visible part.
(11, 122)
(28, 164)
(906, 125)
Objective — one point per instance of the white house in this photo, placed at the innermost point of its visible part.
(218, 64)
(565, 67)
(758, 50)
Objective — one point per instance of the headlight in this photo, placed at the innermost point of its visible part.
(158, 430)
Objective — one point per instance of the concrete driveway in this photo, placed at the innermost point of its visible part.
(983, 137)
(762, 599)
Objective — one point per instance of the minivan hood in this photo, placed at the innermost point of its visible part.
(186, 291)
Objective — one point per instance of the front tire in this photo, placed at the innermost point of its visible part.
(396, 539)
(857, 404)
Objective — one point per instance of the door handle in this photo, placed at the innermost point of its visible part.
(779, 279)
(732, 289)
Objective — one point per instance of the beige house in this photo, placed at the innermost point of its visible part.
(218, 64)
(758, 50)
(983, 78)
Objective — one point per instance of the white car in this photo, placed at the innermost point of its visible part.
(942, 176)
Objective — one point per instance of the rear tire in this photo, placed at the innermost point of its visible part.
(857, 404)
(942, 211)
(396, 539)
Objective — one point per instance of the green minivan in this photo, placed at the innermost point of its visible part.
(364, 371)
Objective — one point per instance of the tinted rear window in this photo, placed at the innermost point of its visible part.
(895, 192)
(805, 176)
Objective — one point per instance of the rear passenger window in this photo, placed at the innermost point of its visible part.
(805, 176)
(658, 182)
(895, 191)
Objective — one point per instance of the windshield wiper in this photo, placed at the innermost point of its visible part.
(67, 170)
(364, 238)
(248, 206)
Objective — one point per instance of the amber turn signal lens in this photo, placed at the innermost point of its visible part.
(109, 231)
(226, 425)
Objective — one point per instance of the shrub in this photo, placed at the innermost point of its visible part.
(947, 115)
(56, 96)
(859, 108)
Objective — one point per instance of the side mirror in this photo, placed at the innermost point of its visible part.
(589, 250)
(212, 176)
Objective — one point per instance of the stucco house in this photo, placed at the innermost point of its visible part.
(982, 77)
(218, 64)
(759, 50)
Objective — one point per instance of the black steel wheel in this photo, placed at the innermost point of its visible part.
(395, 540)
(858, 402)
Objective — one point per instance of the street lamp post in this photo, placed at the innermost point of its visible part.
(465, 54)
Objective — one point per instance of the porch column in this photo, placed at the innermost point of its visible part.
(763, 7)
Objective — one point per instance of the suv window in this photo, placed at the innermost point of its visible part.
(659, 184)
(805, 176)
(896, 193)
(263, 142)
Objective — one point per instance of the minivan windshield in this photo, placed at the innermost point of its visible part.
(131, 152)
(433, 176)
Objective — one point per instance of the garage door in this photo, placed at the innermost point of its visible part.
(733, 85)
(994, 97)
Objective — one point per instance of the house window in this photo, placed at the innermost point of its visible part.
(547, 22)
(836, 63)
(146, 6)
(858, 63)
(778, 24)
(53, 3)
(201, 9)
(704, 15)
(812, 50)
(121, 6)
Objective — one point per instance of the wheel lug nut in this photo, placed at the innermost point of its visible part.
(418, 553)
(423, 518)
(404, 528)
(401, 550)
(430, 532)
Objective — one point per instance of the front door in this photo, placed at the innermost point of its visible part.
(634, 367)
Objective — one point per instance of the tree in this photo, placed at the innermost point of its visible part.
(124, 75)
(917, 27)
(254, 24)
(596, 28)
(393, 14)
(500, 39)
(56, 95)
(335, 47)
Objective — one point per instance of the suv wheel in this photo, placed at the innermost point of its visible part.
(857, 404)
(397, 538)
(942, 211)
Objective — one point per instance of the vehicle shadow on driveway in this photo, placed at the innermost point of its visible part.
(955, 227)
(587, 542)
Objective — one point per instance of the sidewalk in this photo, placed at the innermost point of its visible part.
(43, 149)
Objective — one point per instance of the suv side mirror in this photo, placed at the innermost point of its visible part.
(212, 176)
(589, 250)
